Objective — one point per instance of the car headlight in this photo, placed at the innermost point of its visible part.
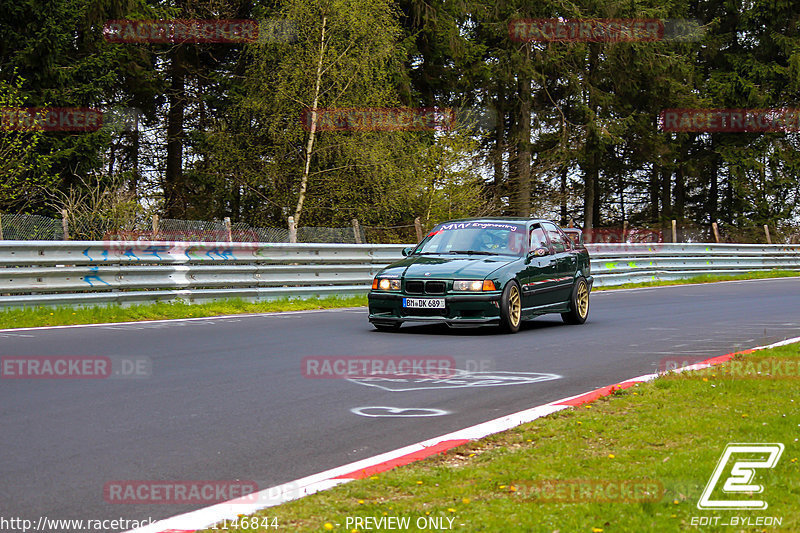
(473, 285)
(385, 284)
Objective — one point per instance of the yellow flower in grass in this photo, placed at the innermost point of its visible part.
(611, 456)
(597, 530)
(328, 526)
(465, 500)
(451, 510)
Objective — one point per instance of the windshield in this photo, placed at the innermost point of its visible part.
(475, 238)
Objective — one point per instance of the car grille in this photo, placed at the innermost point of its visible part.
(434, 287)
(415, 287)
(425, 287)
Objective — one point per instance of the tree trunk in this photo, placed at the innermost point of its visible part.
(497, 156)
(591, 203)
(174, 186)
(653, 190)
(313, 130)
(563, 190)
(523, 196)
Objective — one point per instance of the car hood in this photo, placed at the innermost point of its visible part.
(447, 266)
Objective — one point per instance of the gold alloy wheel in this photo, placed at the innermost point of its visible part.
(514, 306)
(583, 299)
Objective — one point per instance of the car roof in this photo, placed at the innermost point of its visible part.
(499, 219)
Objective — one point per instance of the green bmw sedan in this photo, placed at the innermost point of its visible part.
(485, 271)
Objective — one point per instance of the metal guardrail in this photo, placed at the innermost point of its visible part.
(90, 272)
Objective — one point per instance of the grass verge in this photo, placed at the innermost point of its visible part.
(45, 316)
(706, 278)
(667, 434)
(62, 316)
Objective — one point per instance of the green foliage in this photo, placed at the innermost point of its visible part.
(24, 170)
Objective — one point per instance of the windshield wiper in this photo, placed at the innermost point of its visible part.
(471, 252)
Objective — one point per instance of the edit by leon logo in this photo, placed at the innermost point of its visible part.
(751, 456)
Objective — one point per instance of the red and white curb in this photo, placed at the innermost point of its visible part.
(204, 518)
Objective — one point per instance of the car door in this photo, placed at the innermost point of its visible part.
(564, 259)
(540, 270)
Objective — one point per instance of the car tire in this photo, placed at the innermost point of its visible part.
(511, 308)
(578, 303)
(387, 327)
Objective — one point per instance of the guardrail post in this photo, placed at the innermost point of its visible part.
(1, 226)
(715, 227)
(766, 231)
(418, 229)
(674, 231)
(64, 224)
(292, 230)
(356, 231)
(625, 231)
(228, 233)
(155, 227)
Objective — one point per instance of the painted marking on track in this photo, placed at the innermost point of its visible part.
(397, 412)
(460, 379)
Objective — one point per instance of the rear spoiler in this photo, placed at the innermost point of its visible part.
(575, 235)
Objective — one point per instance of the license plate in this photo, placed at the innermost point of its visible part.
(423, 303)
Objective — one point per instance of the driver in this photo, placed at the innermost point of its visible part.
(490, 241)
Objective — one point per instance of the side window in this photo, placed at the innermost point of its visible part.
(556, 238)
(566, 240)
(538, 239)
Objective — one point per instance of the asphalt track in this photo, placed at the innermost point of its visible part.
(227, 399)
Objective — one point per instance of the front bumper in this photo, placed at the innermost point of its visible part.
(476, 309)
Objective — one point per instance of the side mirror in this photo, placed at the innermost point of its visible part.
(407, 251)
(538, 252)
